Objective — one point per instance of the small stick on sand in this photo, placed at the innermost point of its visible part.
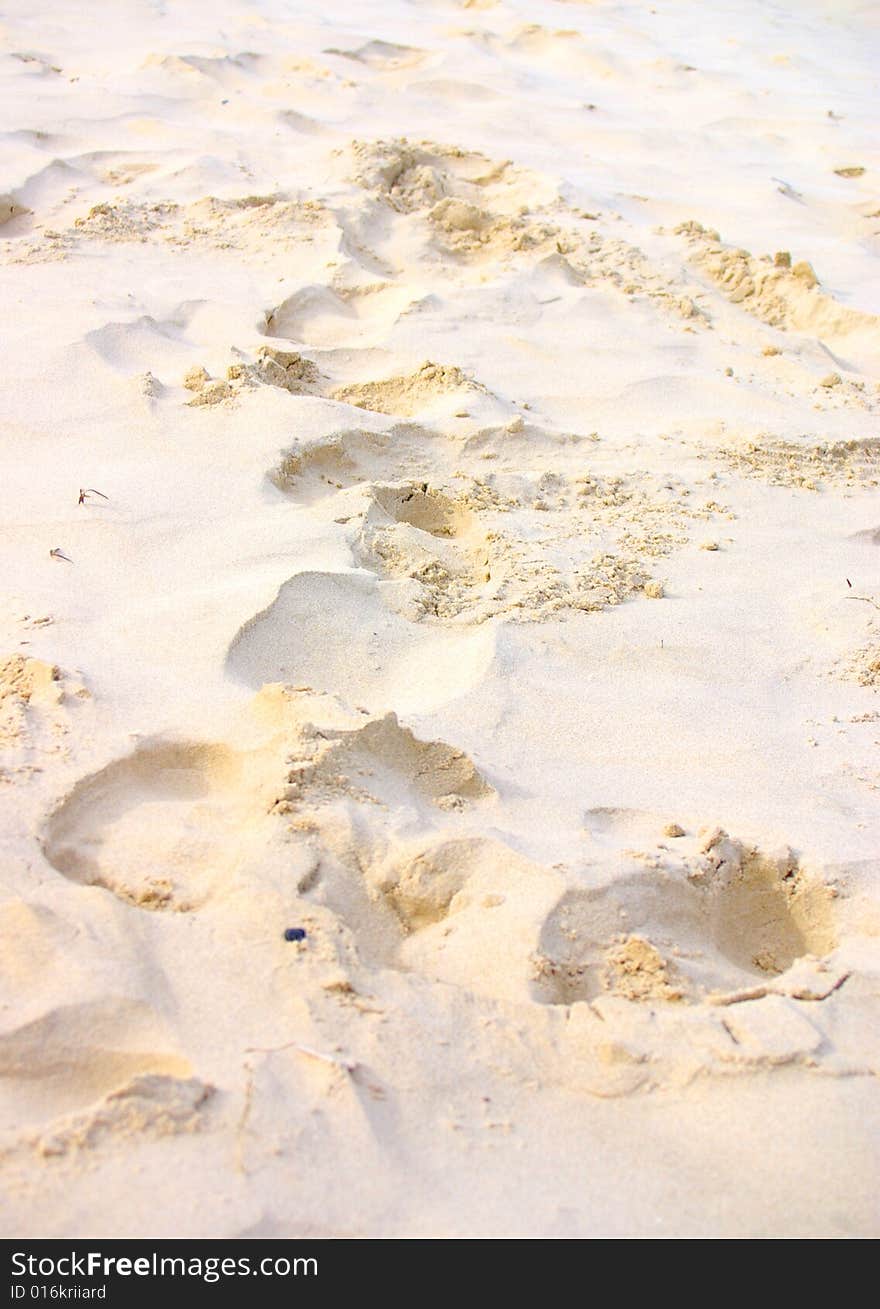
(788, 190)
(867, 599)
(84, 492)
(58, 553)
(347, 1065)
(738, 997)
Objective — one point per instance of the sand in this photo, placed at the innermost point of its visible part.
(440, 461)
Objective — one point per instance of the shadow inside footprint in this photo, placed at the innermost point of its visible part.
(428, 542)
(664, 935)
(766, 913)
(428, 510)
(156, 828)
(321, 468)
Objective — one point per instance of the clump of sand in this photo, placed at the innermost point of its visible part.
(805, 465)
(417, 175)
(636, 969)
(255, 225)
(350, 756)
(406, 395)
(475, 207)
(149, 1107)
(286, 369)
(778, 290)
(30, 691)
(125, 221)
(26, 679)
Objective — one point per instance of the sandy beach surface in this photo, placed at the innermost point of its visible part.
(440, 619)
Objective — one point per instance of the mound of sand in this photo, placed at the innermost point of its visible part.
(405, 396)
(782, 292)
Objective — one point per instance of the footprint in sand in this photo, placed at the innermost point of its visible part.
(385, 762)
(423, 509)
(384, 661)
(328, 317)
(163, 828)
(737, 916)
(449, 905)
(228, 71)
(413, 177)
(467, 908)
(423, 537)
(361, 458)
(320, 469)
(420, 538)
(473, 547)
(383, 56)
(354, 791)
(73, 1054)
(173, 826)
(73, 1075)
(446, 903)
(145, 343)
(399, 900)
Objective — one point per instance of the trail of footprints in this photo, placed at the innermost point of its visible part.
(328, 797)
(347, 787)
(468, 209)
(480, 545)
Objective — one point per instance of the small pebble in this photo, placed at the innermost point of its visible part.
(295, 934)
(673, 829)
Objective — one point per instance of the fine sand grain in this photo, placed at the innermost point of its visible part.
(484, 580)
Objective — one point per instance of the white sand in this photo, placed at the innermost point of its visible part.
(528, 682)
